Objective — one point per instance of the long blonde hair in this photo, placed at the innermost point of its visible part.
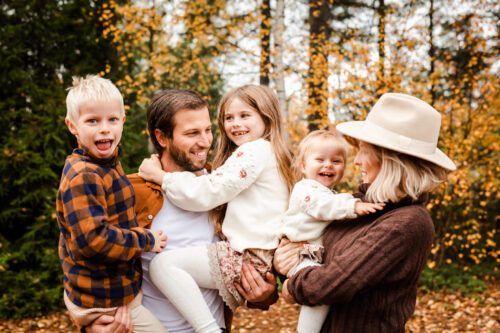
(402, 175)
(265, 102)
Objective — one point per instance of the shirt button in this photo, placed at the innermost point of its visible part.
(150, 216)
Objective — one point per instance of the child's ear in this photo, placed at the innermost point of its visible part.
(71, 127)
(302, 168)
(124, 117)
(161, 138)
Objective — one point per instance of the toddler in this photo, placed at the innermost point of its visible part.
(100, 243)
(313, 205)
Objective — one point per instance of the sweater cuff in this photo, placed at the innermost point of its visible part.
(165, 180)
(351, 213)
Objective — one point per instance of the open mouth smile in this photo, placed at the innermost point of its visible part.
(326, 174)
(104, 144)
(239, 133)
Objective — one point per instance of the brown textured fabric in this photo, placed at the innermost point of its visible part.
(371, 269)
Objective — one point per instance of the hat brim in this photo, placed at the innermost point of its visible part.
(358, 130)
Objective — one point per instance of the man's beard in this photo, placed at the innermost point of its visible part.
(181, 158)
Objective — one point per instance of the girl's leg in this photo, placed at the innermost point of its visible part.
(177, 274)
(311, 318)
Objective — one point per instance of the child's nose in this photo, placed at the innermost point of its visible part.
(104, 127)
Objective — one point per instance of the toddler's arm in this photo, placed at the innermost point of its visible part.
(321, 203)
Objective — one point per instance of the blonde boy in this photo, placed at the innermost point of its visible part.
(100, 243)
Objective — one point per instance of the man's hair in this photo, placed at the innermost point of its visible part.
(402, 175)
(164, 106)
(90, 88)
(308, 141)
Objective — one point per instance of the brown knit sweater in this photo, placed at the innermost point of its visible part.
(371, 268)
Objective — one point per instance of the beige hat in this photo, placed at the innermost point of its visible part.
(402, 123)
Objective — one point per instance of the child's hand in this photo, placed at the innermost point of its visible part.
(150, 169)
(363, 208)
(285, 294)
(160, 241)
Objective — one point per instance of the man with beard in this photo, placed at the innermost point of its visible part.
(180, 129)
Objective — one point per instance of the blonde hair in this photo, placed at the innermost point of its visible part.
(307, 142)
(265, 102)
(402, 175)
(90, 88)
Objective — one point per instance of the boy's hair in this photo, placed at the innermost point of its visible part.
(164, 106)
(90, 88)
(308, 141)
(402, 175)
(265, 102)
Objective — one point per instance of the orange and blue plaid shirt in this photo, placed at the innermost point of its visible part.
(100, 243)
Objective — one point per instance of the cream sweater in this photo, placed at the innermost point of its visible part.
(312, 207)
(250, 183)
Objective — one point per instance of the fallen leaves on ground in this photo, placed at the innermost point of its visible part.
(434, 312)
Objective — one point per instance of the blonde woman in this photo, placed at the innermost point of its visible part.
(372, 263)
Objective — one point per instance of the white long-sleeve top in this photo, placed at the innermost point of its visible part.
(251, 185)
(312, 207)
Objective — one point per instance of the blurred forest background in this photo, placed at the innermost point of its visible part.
(328, 61)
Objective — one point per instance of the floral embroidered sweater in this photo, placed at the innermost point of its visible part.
(312, 207)
(252, 186)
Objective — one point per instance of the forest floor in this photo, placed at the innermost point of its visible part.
(435, 312)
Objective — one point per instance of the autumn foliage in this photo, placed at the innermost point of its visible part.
(334, 59)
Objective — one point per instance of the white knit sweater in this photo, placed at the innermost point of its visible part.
(252, 186)
(312, 207)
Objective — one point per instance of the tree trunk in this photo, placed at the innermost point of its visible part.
(265, 46)
(317, 80)
(279, 75)
(432, 53)
(381, 11)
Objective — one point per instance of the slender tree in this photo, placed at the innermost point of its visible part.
(317, 76)
(265, 42)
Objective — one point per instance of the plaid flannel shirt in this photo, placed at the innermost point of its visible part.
(100, 243)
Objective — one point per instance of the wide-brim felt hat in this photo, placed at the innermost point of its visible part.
(402, 123)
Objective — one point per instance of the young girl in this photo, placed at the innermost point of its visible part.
(252, 182)
(320, 163)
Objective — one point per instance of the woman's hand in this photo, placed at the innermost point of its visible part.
(286, 256)
(151, 170)
(285, 294)
(120, 323)
(253, 287)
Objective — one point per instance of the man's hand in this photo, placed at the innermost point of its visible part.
(151, 170)
(120, 323)
(286, 256)
(160, 241)
(253, 287)
(285, 294)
